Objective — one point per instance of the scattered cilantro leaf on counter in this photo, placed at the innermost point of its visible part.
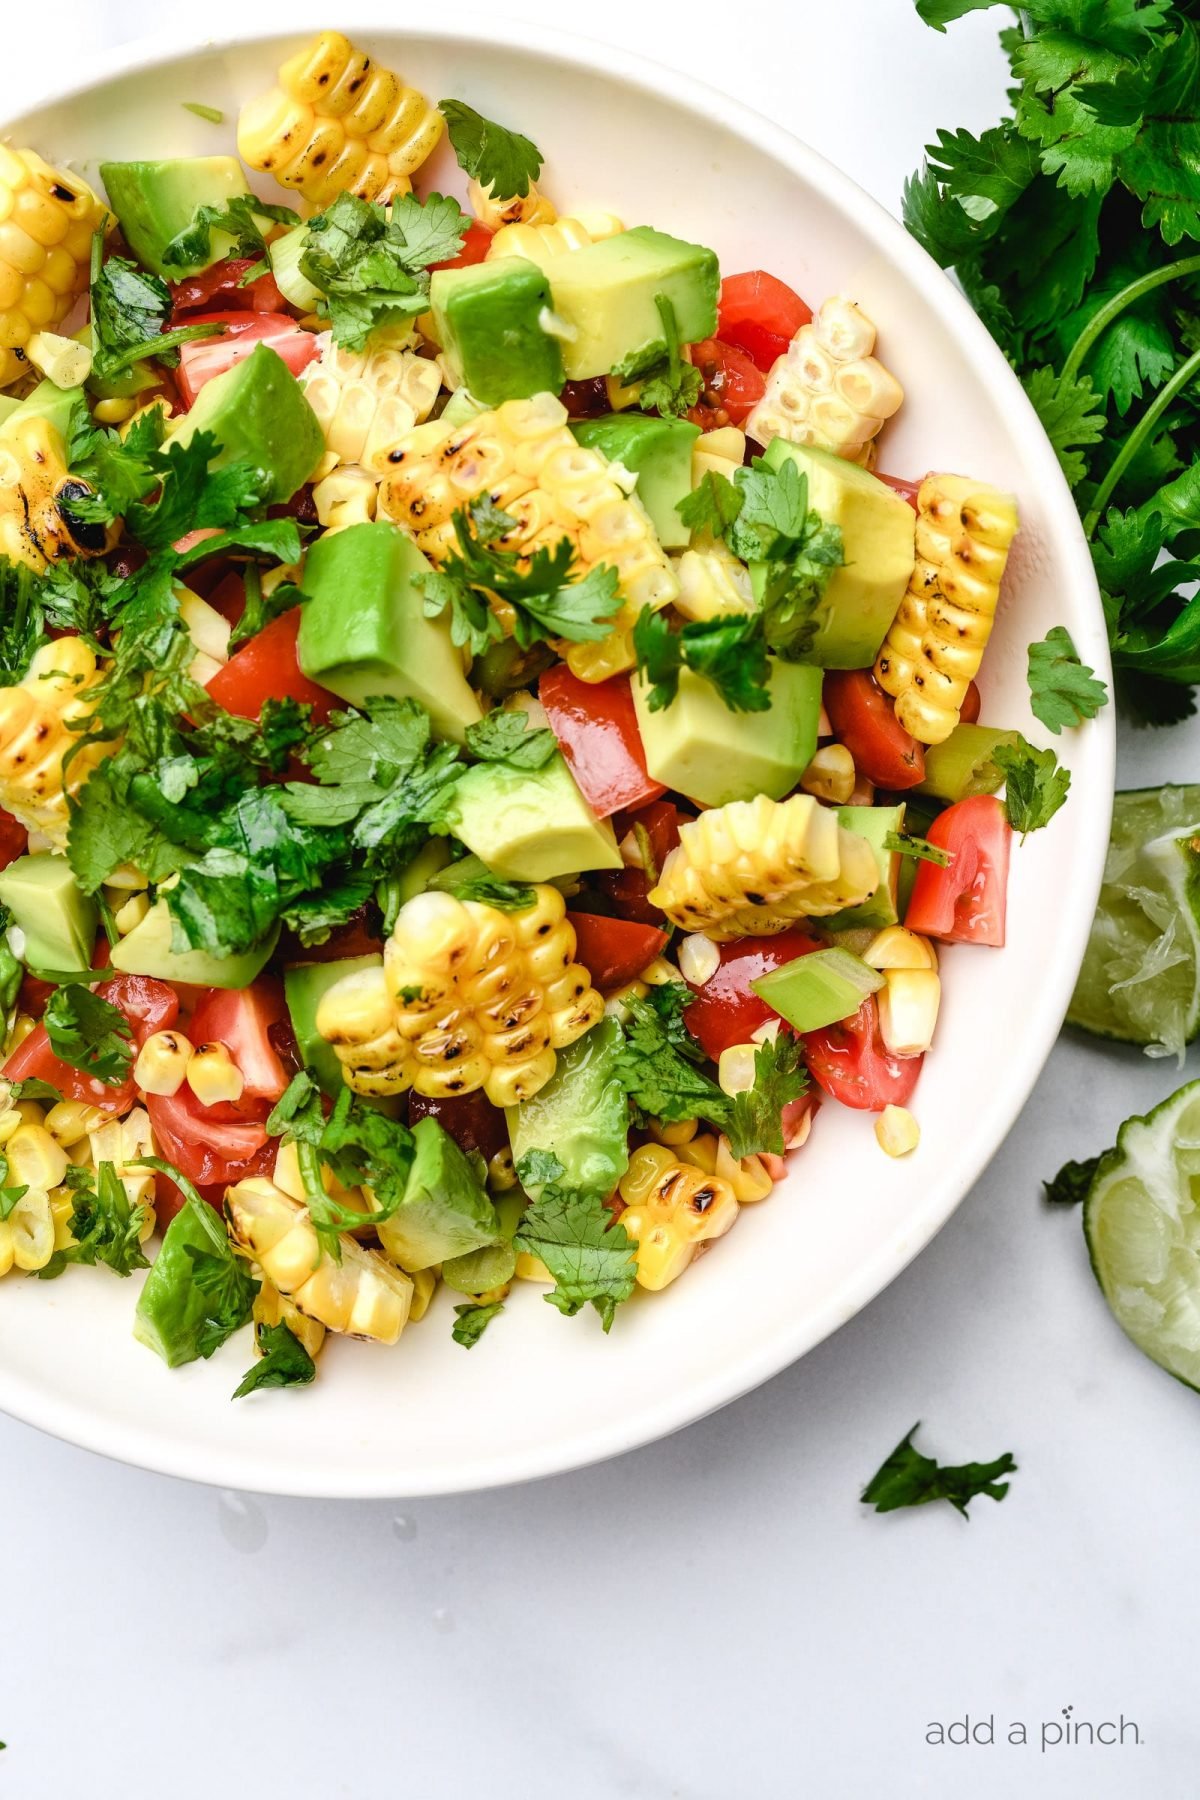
(105, 1226)
(89, 1033)
(903, 845)
(472, 1320)
(238, 218)
(728, 651)
(505, 737)
(500, 160)
(371, 261)
(589, 1254)
(752, 1121)
(284, 1362)
(1072, 1182)
(1034, 784)
(1062, 689)
(908, 1478)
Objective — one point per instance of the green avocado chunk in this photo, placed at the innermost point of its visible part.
(488, 319)
(659, 453)
(445, 1211)
(148, 950)
(59, 922)
(154, 201)
(54, 404)
(878, 530)
(606, 294)
(258, 414)
(874, 824)
(364, 632)
(304, 988)
(699, 748)
(582, 1114)
(529, 824)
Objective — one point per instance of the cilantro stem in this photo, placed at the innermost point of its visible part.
(1184, 374)
(169, 340)
(1100, 321)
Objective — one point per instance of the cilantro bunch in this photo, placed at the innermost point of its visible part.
(371, 262)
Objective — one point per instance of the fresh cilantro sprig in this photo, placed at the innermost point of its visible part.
(105, 1226)
(909, 1478)
(730, 652)
(1035, 786)
(238, 218)
(371, 262)
(472, 1320)
(589, 1255)
(500, 160)
(668, 383)
(1062, 689)
(129, 309)
(89, 1033)
(505, 737)
(283, 1362)
(358, 1143)
(22, 620)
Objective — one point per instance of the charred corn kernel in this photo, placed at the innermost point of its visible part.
(712, 583)
(531, 1268)
(938, 637)
(735, 1069)
(675, 1132)
(502, 1174)
(37, 525)
(538, 243)
(362, 1296)
(273, 1308)
(896, 1131)
(671, 1208)
(468, 997)
(338, 122)
(830, 775)
(720, 452)
(35, 1159)
(699, 959)
(827, 388)
(524, 455)
(162, 1063)
(123, 1142)
(27, 1235)
(62, 360)
(755, 866)
(616, 1006)
(346, 497)
(212, 1075)
(424, 1288)
(748, 1176)
(497, 211)
(367, 399)
(908, 1010)
(131, 912)
(895, 947)
(69, 1121)
(47, 219)
(35, 735)
(113, 412)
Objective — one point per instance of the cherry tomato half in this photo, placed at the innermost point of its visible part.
(208, 1150)
(223, 284)
(597, 732)
(864, 719)
(201, 361)
(148, 1005)
(759, 314)
(268, 668)
(614, 951)
(965, 902)
(725, 1010)
(733, 386)
(852, 1063)
(14, 839)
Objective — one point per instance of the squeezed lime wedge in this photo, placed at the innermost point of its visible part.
(1141, 1219)
(1140, 979)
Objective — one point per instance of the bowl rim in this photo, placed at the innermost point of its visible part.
(237, 1467)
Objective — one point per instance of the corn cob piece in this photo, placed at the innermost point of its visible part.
(35, 735)
(747, 1176)
(754, 867)
(337, 122)
(938, 637)
(36, 490)
(273, 1308)
(827, 388)
(366, 399)
(47, 221)
(468, 997)
(538, 243)
(362, 1296)
(499, 210)
(524, 456)
(671, 1208)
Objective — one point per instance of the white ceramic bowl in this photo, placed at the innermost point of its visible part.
(543, 1393)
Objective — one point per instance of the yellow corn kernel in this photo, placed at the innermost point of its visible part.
(895, 947)
(286, 1175)
(365, 400)
(345, 497)
(830, 775)
(35, 1159)
(131, 913)
(827, 388)
(35, 735)
(720, 452)
(27, 1235)
(712, 583)
(62, 1207)
(63, 360)
(273, 1308)
(338, 122)
(123, 1143)
(735, 1069)
(532, 1268)
(31, 1113)
(616, 1006)
(539, 243)
(908, 1009)
(209, 631)
(674, 1133)
(524, 455)
(113, 412)
(69, 1121)
(748, 1176)
(10, 1120)
(468, 997)
(660, 973)
(498, 211)
(20, 1029)
(424, 1288)
(671, 1208)
(47, 219)
(755, 866)
(212, 1075)
(502, 1174)
(37, 525)
(896, 1131)
(363, 1295)
(937, 639)
(162, 1063)
(698, 958)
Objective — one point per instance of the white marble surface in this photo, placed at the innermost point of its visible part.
(714, 1617)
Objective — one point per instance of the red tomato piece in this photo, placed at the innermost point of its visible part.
(477, 241)
(907, 490)
(14, 839)
(200, 361)
(760, 299)
(147, 1004)
(628, 888)
(852, 1063)
(614, 951)
(968, 712)
(208, 1150)
(725, 1010)
(733, 386)
(864, 719)
(763, 347)
(229, 597)
(268, 668)
(241, 1019)
(471, 1120)
(223, 283)
(795, 1113)
(597, 731)
(965, 902)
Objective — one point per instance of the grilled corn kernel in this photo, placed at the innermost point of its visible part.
(123, 1143)
(35, 1159)
(748, 1176)
(213, 1075)
(162, 1063)
(720, 452)
(937, 639)
(362, 1296)
(273, 1308)
(338, 122)
(524, 455)
(908, 1009)
(712, 584)
(671, 1208)
(69, 1121)
(286, 1175)
(20, 1029)
(896, 1131)
(345, 497)
(30, 1112)
(699, 959)
(131, 913)
(468, 997)
(895, 947)
(10, 1120)
(827, 388)
(830, 775)
(616, 1006)
(735, 1069)
(539, 243)
(27, 1235)
(35, 735)
(37, 490)
(659, 973)
(47, 219)
(755, 866)
(499, 210)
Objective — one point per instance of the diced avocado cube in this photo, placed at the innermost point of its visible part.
(582, 1114)
(304, 988)
(54, 404)
(459, 408)
(874, 823)
(701, 749)
(364, 632)
(59, 922)
(149, 950)
(878, 530)
(659, 453)
(818, 989)
(258, 414)
(445, 1211)
(606, 293)
(488, 319)
(154, 201)
(529, 824)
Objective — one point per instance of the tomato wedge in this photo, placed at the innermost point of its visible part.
(223, 282)
(597, 731)
(147, 1004)
(725, 1010)
(733, 386)
(760, 314)
(852, 1064)
(907, 490)
(864, 719)
(241, 1019)
(201, 361)
(14, 839)
(968, 712)
(614, 951)
(965, 902)
(268, 668)
(207, 1150)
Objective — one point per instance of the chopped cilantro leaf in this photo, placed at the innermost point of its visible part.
(588, 1254)
(1072, 1182)
(729, 651)
(105, 1227)
(902, 845)
(712, 505)
(1062, 689)
(371, 262)
(1035, 785)
(238, 218)
(908, 1478)
(505, 737)
(500, 160)
(89, 1033)
(472, 1320)
(284, 1362)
